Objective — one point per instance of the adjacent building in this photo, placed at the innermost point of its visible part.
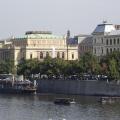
(85, 44)
(106, 39)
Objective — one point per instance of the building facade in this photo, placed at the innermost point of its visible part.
(106, 39)
(38, 44)
(85, 44)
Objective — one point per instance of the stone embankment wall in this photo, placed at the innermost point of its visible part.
(78, 87)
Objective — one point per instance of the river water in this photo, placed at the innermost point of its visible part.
(41, 107)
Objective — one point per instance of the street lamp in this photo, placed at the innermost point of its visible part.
(67, 41)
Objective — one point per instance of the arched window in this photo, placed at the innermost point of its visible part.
(110, 41)
(72, 55)
(41, 55)
(63, 55)
(110, 50)
(58, 54)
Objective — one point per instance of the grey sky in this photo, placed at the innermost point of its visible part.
(80, 16)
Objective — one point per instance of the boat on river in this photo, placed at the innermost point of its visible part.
(11, 85)
(64, 101)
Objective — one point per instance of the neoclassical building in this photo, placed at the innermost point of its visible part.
(106, 39)
(38, 44)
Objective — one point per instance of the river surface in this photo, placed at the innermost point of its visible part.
(41, 107)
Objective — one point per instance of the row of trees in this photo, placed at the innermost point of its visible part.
(108, 65)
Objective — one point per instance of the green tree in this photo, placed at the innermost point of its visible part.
(89, 63)
(113, 69)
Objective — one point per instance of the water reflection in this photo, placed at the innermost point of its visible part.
(41, 107)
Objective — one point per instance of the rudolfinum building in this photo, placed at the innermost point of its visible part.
(38, 44)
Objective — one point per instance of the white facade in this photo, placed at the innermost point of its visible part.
(106, 39)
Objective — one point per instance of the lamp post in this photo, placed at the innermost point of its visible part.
(67, 41)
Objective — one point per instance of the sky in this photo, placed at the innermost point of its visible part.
(79, 16)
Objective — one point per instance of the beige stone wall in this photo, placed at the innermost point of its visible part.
(47, 43)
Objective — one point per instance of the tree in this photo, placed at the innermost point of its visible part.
(110, 65)
(89, 63)
(27, 67)
(113, 69)
(7, 67)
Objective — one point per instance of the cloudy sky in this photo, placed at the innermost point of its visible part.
(80, 16)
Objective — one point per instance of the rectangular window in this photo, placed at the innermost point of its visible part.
(107, 42)
(31, 56)
(102, 40)
(72, 55)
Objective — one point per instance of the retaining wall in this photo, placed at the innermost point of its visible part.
(78, 87)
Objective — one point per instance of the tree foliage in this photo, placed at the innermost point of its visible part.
(108, 65)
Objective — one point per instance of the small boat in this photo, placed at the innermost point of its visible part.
(109, 100)
(64, 101)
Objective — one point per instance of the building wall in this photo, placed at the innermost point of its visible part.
(85, 44)
(103, 45)
(112, 43)
(106, 39)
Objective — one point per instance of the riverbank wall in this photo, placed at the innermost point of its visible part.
(79, 87)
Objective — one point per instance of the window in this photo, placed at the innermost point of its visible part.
(118, 41)
(63, 55)
(110, 41)
(114, 41)
(31, 56)
(107, 51)
(72, 55)
(41, 55)
(102, 50)
(95, 50)
(58, 55)
(114, 49)
(102, 40)
(107, 42)
(111, 50)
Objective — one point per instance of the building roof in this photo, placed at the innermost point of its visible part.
(82, 35)
(73, 41)
(104, 28)
(40, 35)
(38, 32)
(87, 40)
